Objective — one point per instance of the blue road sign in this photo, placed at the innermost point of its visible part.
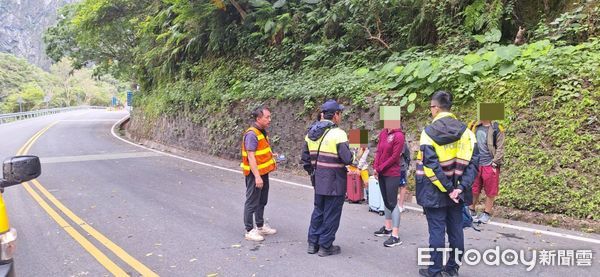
(129, 98)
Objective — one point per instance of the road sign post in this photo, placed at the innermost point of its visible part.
(20, 101)
(47, 99)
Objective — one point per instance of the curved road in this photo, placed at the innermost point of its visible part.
(105, 207)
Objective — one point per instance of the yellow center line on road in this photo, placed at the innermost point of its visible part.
(137, 265)
(21, 150)
(38, 135)
(86, 244)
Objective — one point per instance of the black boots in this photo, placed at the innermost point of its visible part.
(332, 250)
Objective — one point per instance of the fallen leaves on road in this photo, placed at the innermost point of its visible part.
(149, 254)
(236, 245)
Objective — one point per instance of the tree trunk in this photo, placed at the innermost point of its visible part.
(239, 9)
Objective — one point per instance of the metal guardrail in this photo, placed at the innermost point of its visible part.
(10, 117)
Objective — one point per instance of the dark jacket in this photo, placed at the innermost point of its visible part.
(405, 157)
(389, 150)
(450, 171)
(335, 154)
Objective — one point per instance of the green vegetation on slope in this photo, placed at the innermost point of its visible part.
(61, 87)
(15, 72)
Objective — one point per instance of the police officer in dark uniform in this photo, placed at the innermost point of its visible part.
(325, 156)
(446, 168)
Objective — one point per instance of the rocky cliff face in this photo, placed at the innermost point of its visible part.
(220, 133)
(22, 23)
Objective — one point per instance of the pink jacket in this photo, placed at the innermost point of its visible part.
(389, 149)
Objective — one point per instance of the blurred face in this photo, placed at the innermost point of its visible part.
(264, 121)
(391, 124)
(390, 117)
(358, 138)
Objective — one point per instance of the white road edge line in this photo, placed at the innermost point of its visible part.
(87, 120)
(526, 229)
(193, 161)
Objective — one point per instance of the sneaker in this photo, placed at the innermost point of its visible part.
(392, 241)
(266, 230)
(484, 218)
(425, 273)
(382, 232)
(332, 250)
(473, 213)
(254, 235)
(402, 209)
(451, 271)
(475, 216)
(312, 248)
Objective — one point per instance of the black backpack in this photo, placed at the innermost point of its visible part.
(405, 156)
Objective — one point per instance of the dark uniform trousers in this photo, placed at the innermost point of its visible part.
(325, 219)
(445, 220)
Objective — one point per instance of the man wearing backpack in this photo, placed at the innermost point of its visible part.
(490, 141)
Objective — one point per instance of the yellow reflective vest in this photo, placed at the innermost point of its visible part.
(453, 157)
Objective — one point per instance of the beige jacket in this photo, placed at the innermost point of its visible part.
(498, 151)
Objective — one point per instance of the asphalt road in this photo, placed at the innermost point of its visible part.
(142, 212)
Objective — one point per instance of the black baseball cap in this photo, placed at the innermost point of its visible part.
(331, 106)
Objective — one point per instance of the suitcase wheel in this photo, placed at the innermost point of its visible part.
(381, 213)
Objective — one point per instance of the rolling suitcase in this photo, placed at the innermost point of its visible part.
(375, 199)
(354, 190)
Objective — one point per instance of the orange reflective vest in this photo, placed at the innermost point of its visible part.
(263, 154)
